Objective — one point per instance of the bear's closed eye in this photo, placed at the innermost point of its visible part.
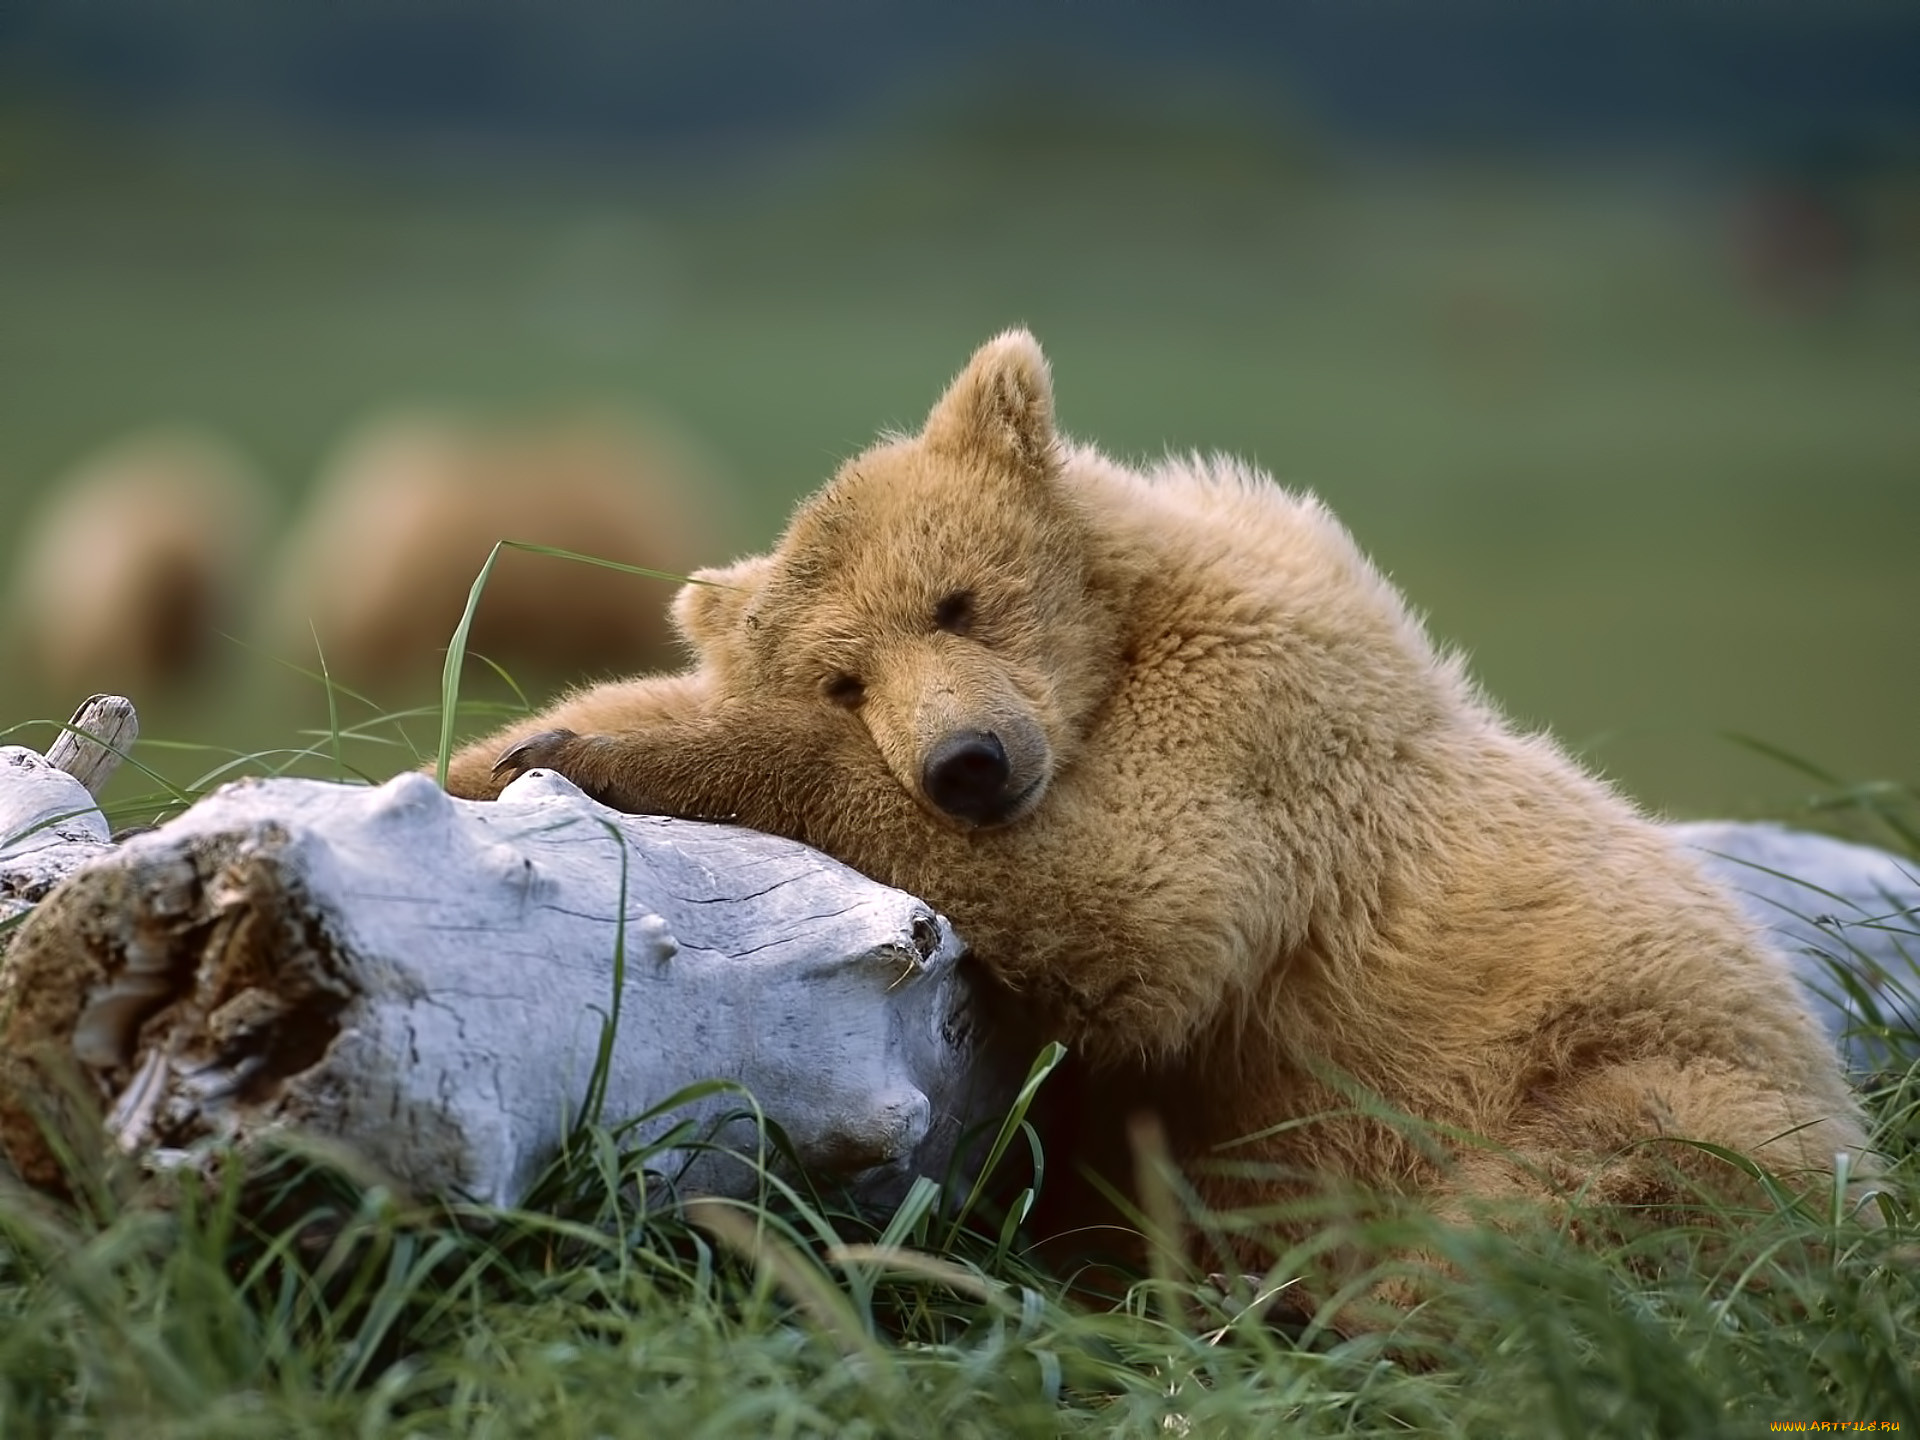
(954, 612)
(844, 690)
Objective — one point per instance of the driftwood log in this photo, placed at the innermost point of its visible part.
(429, 980)
(50, 820)
(1846, 916)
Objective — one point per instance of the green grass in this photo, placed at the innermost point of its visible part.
(300, 1295)
(605, 1313)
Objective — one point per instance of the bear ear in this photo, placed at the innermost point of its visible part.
(1001, 406)
(710, 605)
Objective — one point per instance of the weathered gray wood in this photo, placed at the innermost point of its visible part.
(1846, 916)
(426, 979)
(96, 740)
(49, 820)
(49, 826)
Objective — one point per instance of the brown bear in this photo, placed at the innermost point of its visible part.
(380, 566)
(135, 564)
(1203, 795)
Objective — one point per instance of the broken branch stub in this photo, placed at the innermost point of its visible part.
(96, 740)
(427, 980)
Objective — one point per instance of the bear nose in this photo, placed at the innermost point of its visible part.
(966, 775)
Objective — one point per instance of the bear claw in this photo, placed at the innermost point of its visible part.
(533, 753)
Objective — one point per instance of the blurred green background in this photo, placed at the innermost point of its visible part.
(1600, 326)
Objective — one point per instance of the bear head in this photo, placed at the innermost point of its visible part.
(939, 598)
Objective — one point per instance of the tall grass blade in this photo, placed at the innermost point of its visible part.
(456, 659)
(1044, 1065)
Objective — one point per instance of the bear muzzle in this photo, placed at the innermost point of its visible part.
(969, 776)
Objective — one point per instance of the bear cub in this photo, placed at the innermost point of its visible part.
(1189, 775)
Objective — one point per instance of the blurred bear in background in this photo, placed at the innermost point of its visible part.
(134, 564)
(379, 568)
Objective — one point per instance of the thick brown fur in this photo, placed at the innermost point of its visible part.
(1268, 850)
(402, 520)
